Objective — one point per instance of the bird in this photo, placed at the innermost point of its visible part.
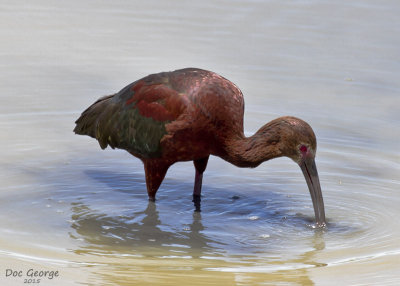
(188, 115)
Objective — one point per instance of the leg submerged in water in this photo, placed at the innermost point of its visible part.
(155, 173)
(200, 166)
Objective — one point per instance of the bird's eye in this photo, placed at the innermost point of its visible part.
(303, 149)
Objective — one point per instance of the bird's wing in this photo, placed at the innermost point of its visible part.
(135, 119)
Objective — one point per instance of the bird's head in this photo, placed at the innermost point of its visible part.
(298, 142)
(285, 136)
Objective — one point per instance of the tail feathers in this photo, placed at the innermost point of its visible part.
(93, 120)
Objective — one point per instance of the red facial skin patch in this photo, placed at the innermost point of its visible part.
(303, 149)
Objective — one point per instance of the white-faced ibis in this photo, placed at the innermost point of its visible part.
(188, 115)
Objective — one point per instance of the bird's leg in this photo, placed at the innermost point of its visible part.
(200, 166)
(155, 172)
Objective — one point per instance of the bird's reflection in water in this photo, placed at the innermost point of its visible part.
(306, 261)
(145, 247)
(130, 240)
(141, 233)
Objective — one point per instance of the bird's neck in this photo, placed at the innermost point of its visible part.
(251, 151)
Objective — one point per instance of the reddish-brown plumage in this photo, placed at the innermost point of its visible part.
(156, 101)
(191, 114)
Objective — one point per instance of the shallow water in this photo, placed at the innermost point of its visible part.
(68, 206)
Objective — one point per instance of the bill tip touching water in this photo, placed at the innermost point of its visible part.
(188, 115)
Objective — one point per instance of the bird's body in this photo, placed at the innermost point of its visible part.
(165, 117)
(188, 115)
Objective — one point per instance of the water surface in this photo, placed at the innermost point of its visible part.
(68, 206)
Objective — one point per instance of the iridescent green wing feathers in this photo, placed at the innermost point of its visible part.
(134, 119)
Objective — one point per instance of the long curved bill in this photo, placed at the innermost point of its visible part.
(311, 175)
